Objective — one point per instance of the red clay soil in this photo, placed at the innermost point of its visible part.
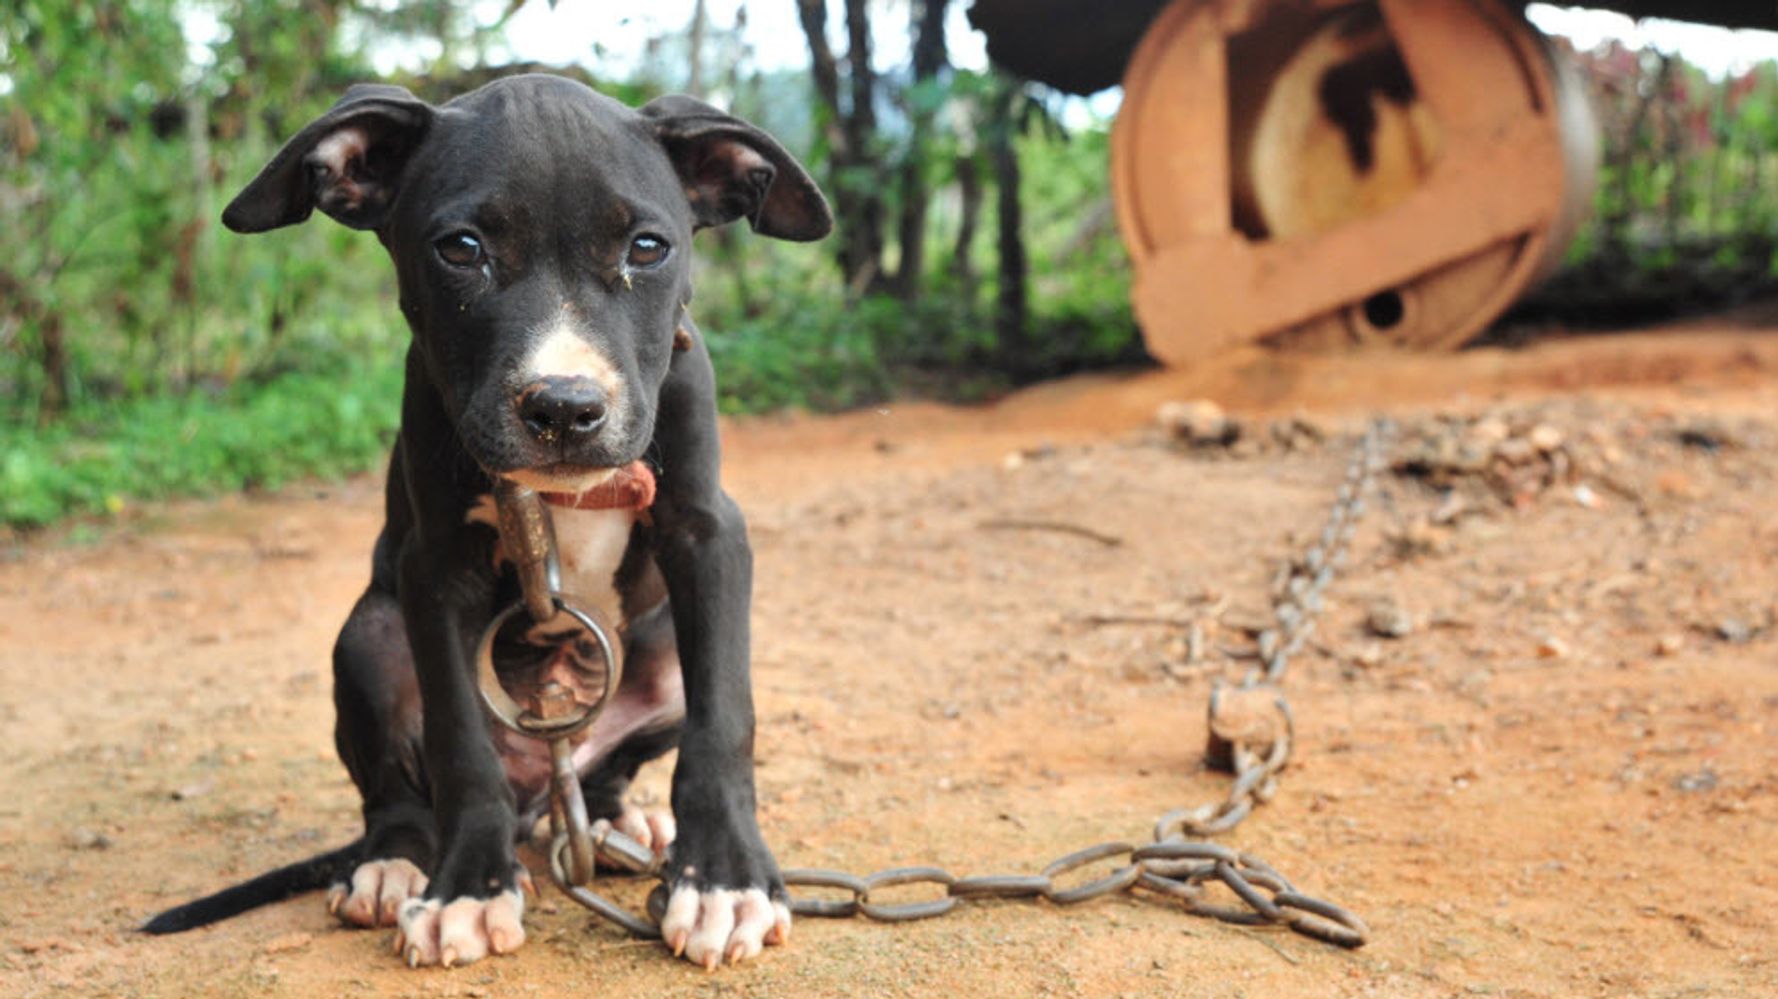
(1558, 782)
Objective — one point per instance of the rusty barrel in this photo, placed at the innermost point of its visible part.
(1317, 174)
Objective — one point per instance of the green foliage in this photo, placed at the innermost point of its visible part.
(146, 352)
(1686, 159)
(1686, 213)
(249, 436)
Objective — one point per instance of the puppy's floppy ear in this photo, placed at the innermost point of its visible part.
(348, 163)
(732, 170)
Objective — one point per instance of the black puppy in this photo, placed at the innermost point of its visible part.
(541, 235)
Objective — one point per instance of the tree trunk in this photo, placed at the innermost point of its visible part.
(55, 369)
(694, 84)
(865, 238)
(969, 185)
(1009, 306)
(854, 179)
(928, 17)
(822, 65)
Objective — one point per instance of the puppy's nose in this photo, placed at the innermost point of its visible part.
(562, 408)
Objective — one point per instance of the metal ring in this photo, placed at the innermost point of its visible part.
(826, 908)
(1116, 881)
(599, 904)
(909, 911)
(1323, 920)
(1180, 849)
(507, 711)
(1185, 891)
(1001, 886)
(1227, 873)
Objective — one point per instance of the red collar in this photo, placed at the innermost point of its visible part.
(629, 488)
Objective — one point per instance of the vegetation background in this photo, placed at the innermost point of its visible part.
(146, 352)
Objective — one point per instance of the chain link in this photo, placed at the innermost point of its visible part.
(1252, 731)
(1252, 728)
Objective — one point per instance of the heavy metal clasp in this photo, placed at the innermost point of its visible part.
(527, 539)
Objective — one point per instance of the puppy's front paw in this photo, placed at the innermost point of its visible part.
(710, 925)
(461, 931)
(374, 895)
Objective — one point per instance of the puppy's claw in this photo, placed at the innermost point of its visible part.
(413, 957)
(449, 957)
(677, 944)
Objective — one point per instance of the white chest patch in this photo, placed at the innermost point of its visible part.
(590, 545)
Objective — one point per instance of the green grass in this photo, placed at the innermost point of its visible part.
(251, 436)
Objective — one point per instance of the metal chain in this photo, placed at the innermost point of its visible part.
(1252, 728)
(1251, 736)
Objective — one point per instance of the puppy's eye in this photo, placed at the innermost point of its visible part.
(646, 250)
(460, 249)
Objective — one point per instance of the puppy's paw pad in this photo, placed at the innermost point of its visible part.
(716, 925)
(461, 931)
(654, 828)
(375, 894)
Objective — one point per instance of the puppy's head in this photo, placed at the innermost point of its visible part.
(541, 235)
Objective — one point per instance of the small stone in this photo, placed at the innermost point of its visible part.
(1545, 438)
(1734, 631)
(1387, 619)
(1551, 647)
(1516, 451)
(1488, 432)
(1199, 422)
(1669, 644)
(288, 942)
(1585, 496)
(1692, 783)
(196, 789)
(1419, 538)
(1310, 428)
(1704, 437)
(82, 838)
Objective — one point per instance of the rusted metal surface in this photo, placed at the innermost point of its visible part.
(1083, 46)
(1324, 173)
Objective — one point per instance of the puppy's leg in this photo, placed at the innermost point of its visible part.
(377, 733)
(472, 905)
(727, 897)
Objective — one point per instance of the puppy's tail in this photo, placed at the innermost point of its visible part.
(272, 886)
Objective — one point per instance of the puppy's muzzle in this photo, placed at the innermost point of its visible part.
(564, 411)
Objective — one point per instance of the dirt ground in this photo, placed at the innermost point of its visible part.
(1558, 781)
